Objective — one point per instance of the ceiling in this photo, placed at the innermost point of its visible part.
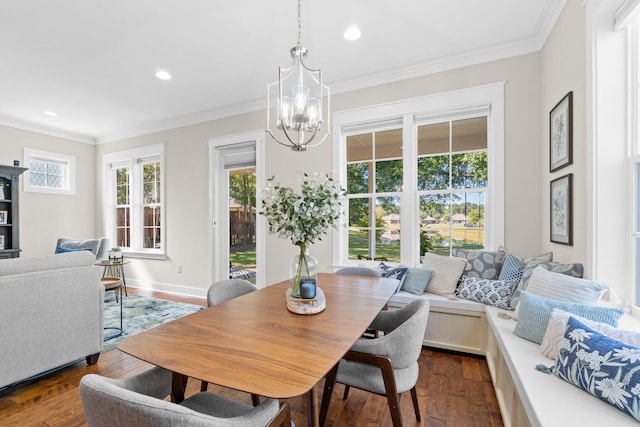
(93, 61)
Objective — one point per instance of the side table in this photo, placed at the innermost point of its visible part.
(114, 268)
(114, 284)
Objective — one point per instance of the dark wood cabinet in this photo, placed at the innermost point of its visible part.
(10, 211)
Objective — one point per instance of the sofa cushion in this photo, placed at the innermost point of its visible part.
(416, 280)
(535, 312)
(554, 335)
(49, 262)
(483, 264)
(92, 244)
(446, 273)
(600, 365)
(549, 284)
(490, 292)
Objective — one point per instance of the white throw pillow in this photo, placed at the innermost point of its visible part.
(446, 273)
(562, 287)
(550, 346)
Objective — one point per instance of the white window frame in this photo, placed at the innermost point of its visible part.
(487, 99)
(134, 159)
(68, 162)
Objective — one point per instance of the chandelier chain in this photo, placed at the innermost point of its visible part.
(299, 26)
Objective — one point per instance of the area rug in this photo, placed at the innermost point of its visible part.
(139, 313)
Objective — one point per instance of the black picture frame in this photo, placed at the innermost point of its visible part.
(561, 134)
(561, 210)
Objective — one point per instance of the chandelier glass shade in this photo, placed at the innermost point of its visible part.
(299, 97)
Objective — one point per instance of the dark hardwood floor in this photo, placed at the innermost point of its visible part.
(453, 390)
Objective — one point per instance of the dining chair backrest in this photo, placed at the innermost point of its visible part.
(224, 290)
(359, 271)
(138, 401)
(403, 333)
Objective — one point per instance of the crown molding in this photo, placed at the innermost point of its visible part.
(46, 130)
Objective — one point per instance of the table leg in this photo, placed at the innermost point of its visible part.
(313, 418)
(178, 386)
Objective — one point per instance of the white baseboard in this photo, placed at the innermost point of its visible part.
(166, 287)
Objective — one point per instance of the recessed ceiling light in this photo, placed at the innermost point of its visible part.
(50, 113)
(352, 33)
(163, 75)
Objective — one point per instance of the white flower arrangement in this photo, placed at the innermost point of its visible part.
(302, 218)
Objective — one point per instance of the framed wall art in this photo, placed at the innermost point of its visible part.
(4, 217)
(561, 206)
(561, 134)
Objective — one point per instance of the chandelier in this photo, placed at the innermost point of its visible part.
(300, 93)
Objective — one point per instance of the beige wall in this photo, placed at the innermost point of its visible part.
(534, 83)
(46, 217)
(187, 170)
(563, 69)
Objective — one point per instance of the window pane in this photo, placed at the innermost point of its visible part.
(389, 176)
(359, 147)
(123, 227)
(433, 173)
(47, 174)
(387, 228)
(468, 220)
(151, 228)
(122, 186)
(433, 139)
(359, 243)
(359, 212)
(469, 170)
(151, 183)
(435, 212)
(389, 144)
(469, 134)
(358, 178)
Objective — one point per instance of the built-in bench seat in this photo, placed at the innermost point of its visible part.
(528, 397)
(454, 324)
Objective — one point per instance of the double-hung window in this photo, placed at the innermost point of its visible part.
(134, 200)
(421, 175)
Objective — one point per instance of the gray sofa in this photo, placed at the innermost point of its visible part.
(51, 313)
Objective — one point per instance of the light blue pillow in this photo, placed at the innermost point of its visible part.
(490, 292)
(416, 280)
(602, 366)
(61, 250)
(534, 314)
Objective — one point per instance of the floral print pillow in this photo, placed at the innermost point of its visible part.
(606, 368)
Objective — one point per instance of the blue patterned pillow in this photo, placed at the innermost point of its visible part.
(511, 269)
(574, 269)
(484, 264)
(534, 314)
(398, 273)
(602, 366)
(416, 280)
(490, 292)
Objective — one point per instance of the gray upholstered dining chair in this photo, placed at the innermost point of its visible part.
(222, 291)
(359, 271)
(138, 401)
(387, 365)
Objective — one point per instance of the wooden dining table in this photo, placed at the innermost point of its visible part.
(254, 344)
